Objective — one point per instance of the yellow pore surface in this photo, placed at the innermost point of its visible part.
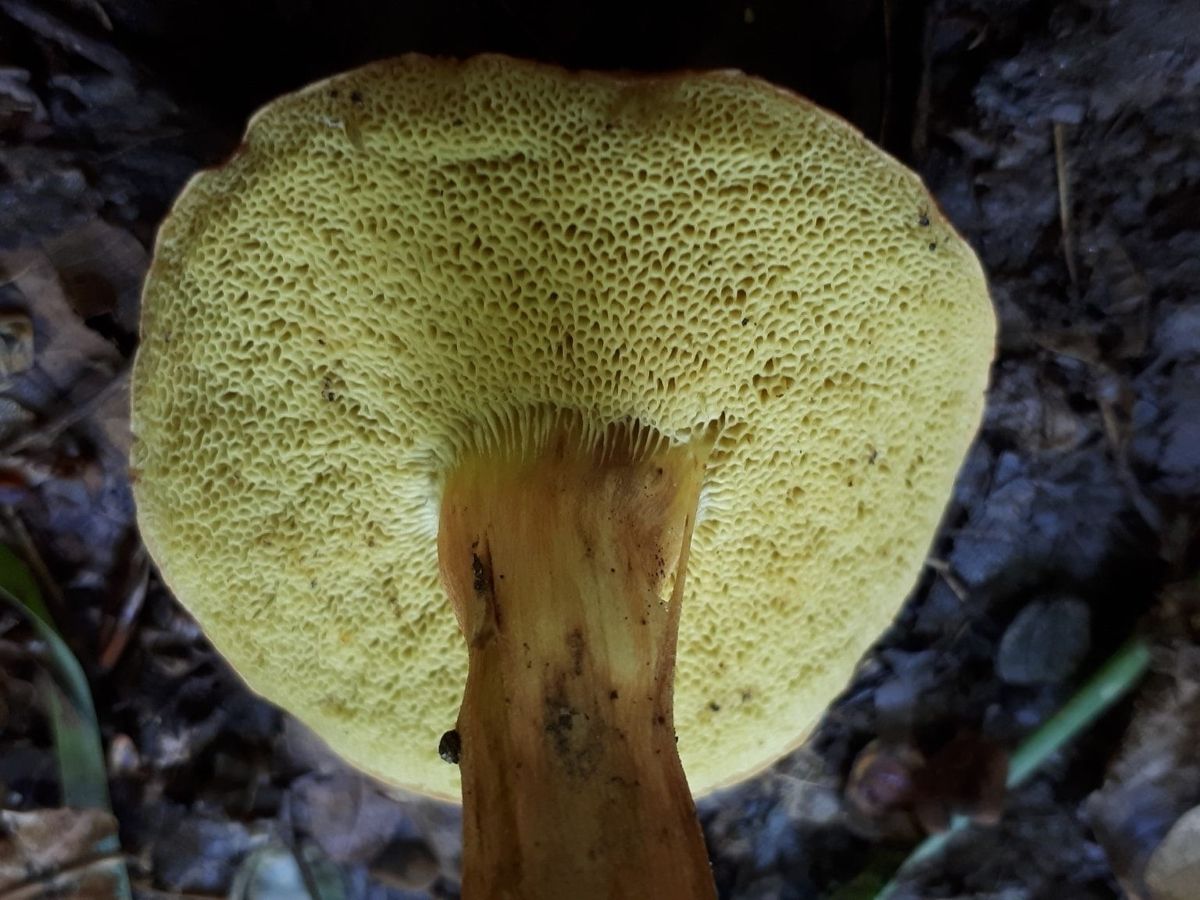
(405, 258)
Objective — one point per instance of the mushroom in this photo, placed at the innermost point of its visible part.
(542, 342)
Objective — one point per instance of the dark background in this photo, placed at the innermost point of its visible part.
(1060, 138)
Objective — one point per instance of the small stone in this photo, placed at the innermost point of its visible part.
(941, 613)
(346, 815)
(1046, 642)
(1179, 459)
(123, 757)
(1173, 871)
(302, 752)
(273, 873)
(1178, 336)
(1067, 113)
(405, 864)
(199, 855)
(901, 698)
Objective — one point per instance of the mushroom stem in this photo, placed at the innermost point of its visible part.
(566, 571)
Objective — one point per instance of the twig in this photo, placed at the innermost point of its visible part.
(95, 9)
(54, 29)
(1064, 205)
(115, 635)
(946, 572)
(1111, 395)
(1112, 682)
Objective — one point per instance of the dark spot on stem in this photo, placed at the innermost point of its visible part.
(577, 646)
(480, 577)
(577, 749)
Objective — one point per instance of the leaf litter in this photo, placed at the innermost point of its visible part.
(1056, 138)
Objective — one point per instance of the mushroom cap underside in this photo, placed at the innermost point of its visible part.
(405, 259)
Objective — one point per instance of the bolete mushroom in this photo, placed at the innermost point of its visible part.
(543, 341)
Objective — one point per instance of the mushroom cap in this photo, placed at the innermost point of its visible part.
(402, 256)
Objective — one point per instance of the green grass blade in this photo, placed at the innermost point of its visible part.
(81, 767)
(1119, 675)
(16, 578)
(82, 772)
(83, 775)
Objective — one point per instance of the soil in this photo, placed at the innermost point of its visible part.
(1060, 138)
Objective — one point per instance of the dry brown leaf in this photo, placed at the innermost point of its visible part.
(111, 415)
(1173, 872)
(59, 853)
(14, 419)
(65, 347)
(100, 268)
(967, 777)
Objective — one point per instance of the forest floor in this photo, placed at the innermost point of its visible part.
(1060, 138)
